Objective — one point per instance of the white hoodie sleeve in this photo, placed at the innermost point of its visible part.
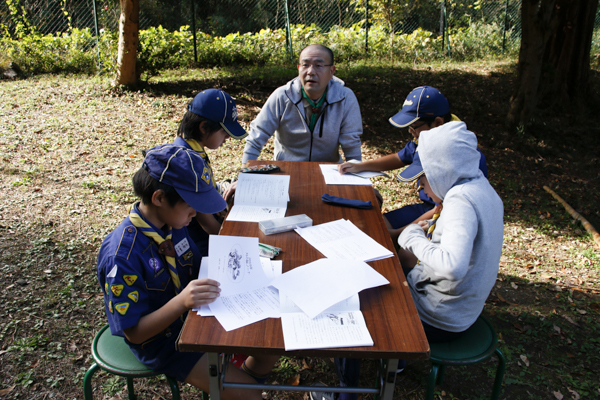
(447, 256)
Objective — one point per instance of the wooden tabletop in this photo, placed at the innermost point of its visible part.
(389, 310)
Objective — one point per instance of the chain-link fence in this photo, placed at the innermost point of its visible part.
(221, 17)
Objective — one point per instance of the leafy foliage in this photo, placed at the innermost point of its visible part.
(160, 48)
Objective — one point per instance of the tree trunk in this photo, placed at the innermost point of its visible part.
(128, 43)
(555, 49)
(568, 49)
(535, 32)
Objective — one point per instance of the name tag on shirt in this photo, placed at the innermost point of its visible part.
(182, 247)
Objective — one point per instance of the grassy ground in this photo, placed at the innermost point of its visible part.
(70, 144)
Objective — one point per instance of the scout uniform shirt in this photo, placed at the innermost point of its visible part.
(135, 281)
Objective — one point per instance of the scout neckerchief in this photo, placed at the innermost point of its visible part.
(165, 245)
(436, 214)
(197, 147)
(315, 108)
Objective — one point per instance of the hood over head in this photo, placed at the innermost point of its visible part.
(449, 156)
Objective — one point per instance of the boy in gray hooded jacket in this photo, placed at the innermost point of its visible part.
(452, 261)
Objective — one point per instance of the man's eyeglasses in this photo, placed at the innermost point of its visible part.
(317, 67)
(413, 128)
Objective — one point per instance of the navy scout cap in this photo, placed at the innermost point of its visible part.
(218, 106)
(184, 170)
(413, 171)
(422, 102)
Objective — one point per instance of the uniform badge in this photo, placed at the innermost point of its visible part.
(106, 287)
(113, 272)
(122, 308)
(182, 247)
(188, 255)
(130, 279)
(110, 306)
(135, 296)
(116, 289)
(155, 264)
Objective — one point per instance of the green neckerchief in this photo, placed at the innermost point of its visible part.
(316, 108)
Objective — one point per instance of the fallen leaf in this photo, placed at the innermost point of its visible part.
(570, 355)
(573, 393)
(558, 395)
(557, 329)
(294, 381)
(524, 359)
(514, 285)
(570, 320)
(35, 364)
(304, 364)
(6, 391)
(582, 312)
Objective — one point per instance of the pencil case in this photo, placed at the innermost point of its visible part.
(271, 226)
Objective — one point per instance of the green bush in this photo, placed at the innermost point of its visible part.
(160, 48)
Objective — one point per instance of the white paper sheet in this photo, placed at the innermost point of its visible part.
(345, 329)
(272, 268)
(366, 174)
(260, 197)
(341, 239)
(242, 309)
(316, 286)
(352, 303)
(235, 264)
(333, 177)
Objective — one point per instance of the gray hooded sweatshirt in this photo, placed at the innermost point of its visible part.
(458, 267)
(283, 115)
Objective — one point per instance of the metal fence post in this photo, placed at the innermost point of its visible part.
(97, 34)
(505, 27)
(367, 27)
(288, 32)
(194, 30)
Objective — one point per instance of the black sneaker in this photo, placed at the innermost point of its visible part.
(321, 395)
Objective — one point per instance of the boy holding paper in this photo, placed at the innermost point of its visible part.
(147, 269)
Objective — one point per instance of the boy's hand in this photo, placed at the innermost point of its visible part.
(199, 292)
(349, 167)
(424, 225)
(229, 191)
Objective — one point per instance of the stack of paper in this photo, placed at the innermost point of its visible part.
(341, 239)
(260, 197)
(327, 312)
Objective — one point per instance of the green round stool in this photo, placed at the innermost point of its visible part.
(113, 355)
(475, 346)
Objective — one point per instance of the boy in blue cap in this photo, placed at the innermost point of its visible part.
(425, 108)
(210, 119)
(147, 268)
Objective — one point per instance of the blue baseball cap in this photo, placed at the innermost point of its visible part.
(422, 102)
(413, 171)
(185, 171)
(218, 106)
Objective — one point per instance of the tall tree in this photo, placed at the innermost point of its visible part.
(129, 24)
(556, 39)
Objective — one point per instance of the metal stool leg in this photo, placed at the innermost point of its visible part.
(431, 380)
(130, 392)
(87, 382)
(440, 378)
(499, 374)
(174, 388)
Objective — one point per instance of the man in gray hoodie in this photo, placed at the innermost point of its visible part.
(451, 262)
(311, 116)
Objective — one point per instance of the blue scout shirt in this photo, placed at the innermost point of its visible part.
(407, 155)
(135, 281)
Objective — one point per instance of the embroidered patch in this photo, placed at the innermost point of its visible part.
(113, 272)
(206, 176)
(155, 264)
(135, 296)
(122, 308)
(116, 289)
(188, 255)
(110, 306)
(106, 287)
(130, 279)
(182, 247)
